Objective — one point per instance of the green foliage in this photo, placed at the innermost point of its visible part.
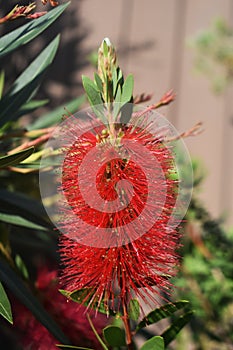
(214, 54)
(15, 158)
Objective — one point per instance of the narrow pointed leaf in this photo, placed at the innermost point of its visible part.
(15, 158)
(61, 346)
(114, 336)
(176, 326)
(20, 221)
(29, 31)
(127, 89)
(92, 91)
(5, 307)
(24, 295)
(160, 313)
(56, 115)
(154, 343)
(26, 84)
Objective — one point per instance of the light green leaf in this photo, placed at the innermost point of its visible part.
(127, 89)
(92, 91)
(154, 343)
(29, 31)
(24, 295)
(5, 307)
(134, 309)
(21, 266)
(114, 336)
(29, 107)
(176, 326)
(56, 115)
(15, 158)
(98, 82)
(26, 84)
(160, 313)
(20, 221)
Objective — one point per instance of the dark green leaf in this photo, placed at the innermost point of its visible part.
(134, 309)
(176, 326)
(56, 115)
(19, 221)
(29, 31)
(163, 312)
(114, 336)
(24, 295)
(154, 343)
(127, 89)
(15, 158)
(26, 84)
(5, 307)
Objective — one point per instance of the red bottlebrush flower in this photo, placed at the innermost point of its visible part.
(119, 238)
(34, 336)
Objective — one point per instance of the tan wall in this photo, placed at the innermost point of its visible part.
(151, 38)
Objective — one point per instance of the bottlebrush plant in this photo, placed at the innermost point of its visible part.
(120, 177)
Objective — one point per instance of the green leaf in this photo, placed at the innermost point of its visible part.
(134, 309)
(127, 89)
(20, 221)
(160, 313)
(26, 84)
(21, 266)
(15, 158)
(176, 326)
(98, 82)
(29, 31)
(30, 107)
(114, 336)
(56, 115)
(92, 91)
(21, 292)
(154, 343)
(5, 307)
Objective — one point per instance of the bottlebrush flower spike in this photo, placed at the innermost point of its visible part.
(120, 189)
